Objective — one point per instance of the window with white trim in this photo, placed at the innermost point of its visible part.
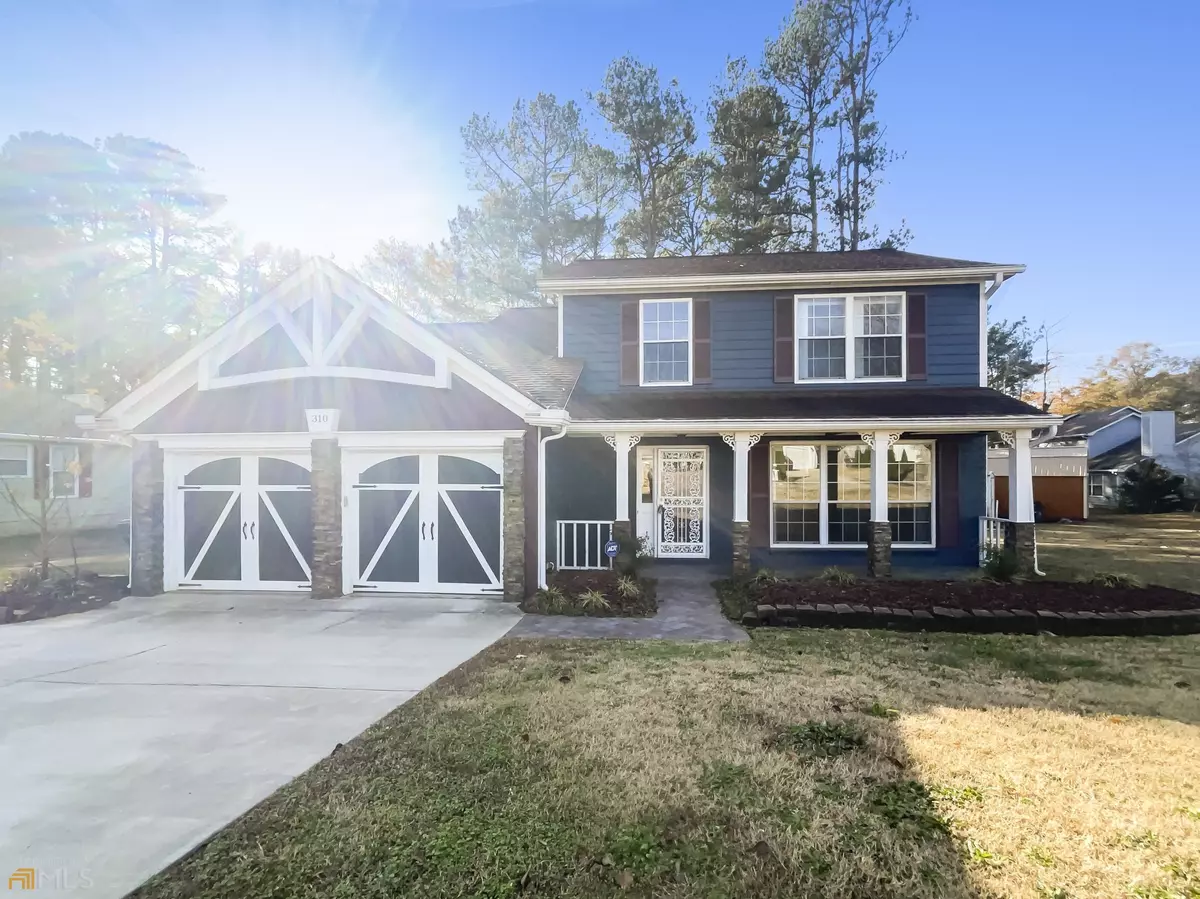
(821, 494)
(665, 330)
(16, 460)
(869, 348)
(64, 470)
(1100, 484)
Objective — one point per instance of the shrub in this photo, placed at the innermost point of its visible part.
(1111, 579)
(628, 587)
(837, 576)
(1000, 566)
(549, 599)
(765, 576)
(631, 555)
(1148, 487)
(592, 600)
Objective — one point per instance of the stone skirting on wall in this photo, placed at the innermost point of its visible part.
(879, 549)
(326, 518)
(146, 539)
(513, 513)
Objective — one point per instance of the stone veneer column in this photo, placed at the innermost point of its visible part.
(1020, 542)
(513, 513)
(741, 547)
(146, 541)
(326, 518)
(879, 549)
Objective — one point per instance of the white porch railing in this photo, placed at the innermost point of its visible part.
(991, 536)
(581, 544)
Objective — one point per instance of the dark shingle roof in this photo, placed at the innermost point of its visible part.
(1184, 430)
(1118, 458)
(1084, 424)
(760, 263)
(520, 347)
(804, 403)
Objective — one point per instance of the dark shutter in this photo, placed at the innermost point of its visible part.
(948, 524)
(629, 343)
(41, 470)
(760, 495)
(702, 342)
(915, 328)
(785, 339)
(85, 469)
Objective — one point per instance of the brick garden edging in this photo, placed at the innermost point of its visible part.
(977, 621)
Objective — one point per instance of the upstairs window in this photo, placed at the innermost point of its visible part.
(666, 336)
(850, 338)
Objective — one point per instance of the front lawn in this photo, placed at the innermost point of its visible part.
(1156, 549)
(805, 763)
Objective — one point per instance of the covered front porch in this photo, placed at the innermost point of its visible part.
(785, 496)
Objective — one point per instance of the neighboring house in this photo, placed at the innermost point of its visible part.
(1060, 480)
(44, 455)
(1120, 437)
(781, 410)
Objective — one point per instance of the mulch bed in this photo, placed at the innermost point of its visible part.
(572, 584)
(1054, 596)
(27, 598)
(1068, 609)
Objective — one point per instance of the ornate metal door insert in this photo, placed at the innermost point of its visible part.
(683, 502)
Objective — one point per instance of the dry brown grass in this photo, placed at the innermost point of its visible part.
(1056, 768)
(1156, 549)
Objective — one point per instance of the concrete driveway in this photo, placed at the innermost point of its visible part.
(129, 734)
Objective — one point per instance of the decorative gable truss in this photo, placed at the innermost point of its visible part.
(320, 322)
(326, 332)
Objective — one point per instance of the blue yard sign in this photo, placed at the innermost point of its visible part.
(611, 548)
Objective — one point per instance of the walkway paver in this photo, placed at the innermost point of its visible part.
(687, 610)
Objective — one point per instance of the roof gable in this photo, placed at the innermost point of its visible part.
(319, 323)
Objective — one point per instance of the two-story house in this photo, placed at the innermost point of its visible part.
(781, 410)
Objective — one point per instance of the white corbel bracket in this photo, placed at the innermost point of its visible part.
(732, 439)
(622, 443)
(868, 438)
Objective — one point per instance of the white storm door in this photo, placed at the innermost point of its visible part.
(645, 483)
(682, 502)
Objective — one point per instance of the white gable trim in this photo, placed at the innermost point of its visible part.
(318, 279)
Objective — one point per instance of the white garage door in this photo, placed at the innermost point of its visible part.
(422, 522)
(237, 521)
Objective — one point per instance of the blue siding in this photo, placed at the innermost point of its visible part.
(743, 339)
(581, 485)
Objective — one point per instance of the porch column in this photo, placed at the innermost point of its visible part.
(879, 532)
(741, 442)
(622, 442)
(1019, 529)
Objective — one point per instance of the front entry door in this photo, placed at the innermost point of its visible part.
(672, 514)
(423, 522)
(239, 522)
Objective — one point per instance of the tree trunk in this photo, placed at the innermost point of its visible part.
(16, 355)
(813, 197)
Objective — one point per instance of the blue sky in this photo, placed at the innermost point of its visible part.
(1058, 134)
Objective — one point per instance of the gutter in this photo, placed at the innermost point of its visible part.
(541, 517)
(782, 280)
(800, 425)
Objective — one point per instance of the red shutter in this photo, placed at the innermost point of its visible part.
(41, 470)
(915, 328)
(947, 493)
(629, 343)
(760, 494)
(85, 469)
(785, 339)
(702, 342)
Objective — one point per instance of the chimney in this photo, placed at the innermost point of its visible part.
(1158, 433)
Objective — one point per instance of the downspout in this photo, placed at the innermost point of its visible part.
(541, 519)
